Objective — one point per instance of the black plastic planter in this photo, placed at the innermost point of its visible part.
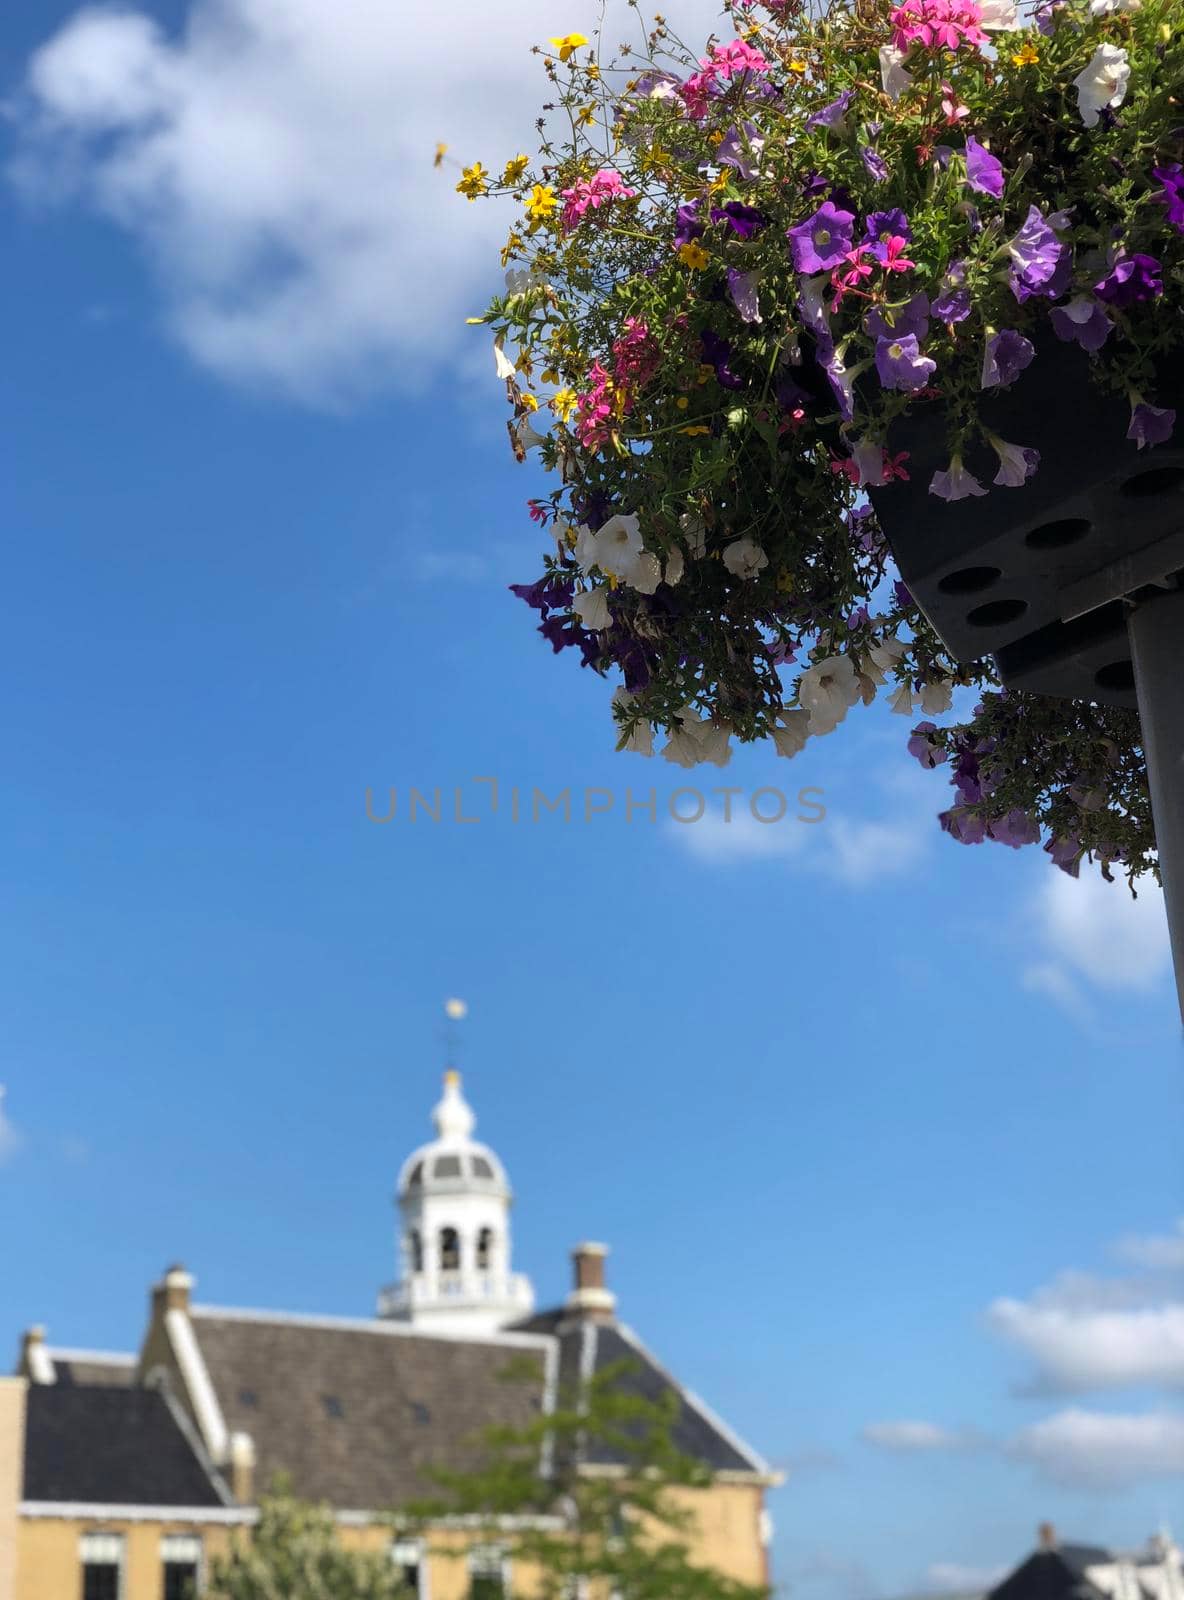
(1074, 582)
(1036, 576)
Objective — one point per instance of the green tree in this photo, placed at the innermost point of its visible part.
(294, 1553)
(596, 1483)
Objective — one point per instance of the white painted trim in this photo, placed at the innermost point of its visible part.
(550, 1399)
(196, 1378)
(196, 1443)
(759, 1464)
(98, 1358)
(86, 1511)
(40, 1363)
(389, 1329)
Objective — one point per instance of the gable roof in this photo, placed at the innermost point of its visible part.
(109, 1445)
(353, 1412)
(587, 1347)
(105, 1368)
(1057, 1574)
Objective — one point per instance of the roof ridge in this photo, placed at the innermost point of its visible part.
(380, 1325)
(115, 1358)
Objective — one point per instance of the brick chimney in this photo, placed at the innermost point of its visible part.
(36, 1363)
(172, 1292)
(589, 1297)
(1046, 1536)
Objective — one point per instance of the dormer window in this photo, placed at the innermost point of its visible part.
(449, 1250)
(481, 1168)
(484, 1249)
(446, 1167)
(416, 1178)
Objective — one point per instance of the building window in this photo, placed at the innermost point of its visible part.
(180, 1555)
(415, 1249)
(484, 1249)
(449, 1250)
(489, 1573)
(447, 1167)
(102, 1566)
(407, 1556)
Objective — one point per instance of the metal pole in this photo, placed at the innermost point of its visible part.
(1157, 649)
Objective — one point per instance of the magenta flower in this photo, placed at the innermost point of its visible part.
(1130, 281)
(1150, 425)
(1082, 320)
(1006, 356)
(937, 24)
(984, 172)
(1172, 193)
(901, 365)
(588, 194)
(955, 483)
(823, 240)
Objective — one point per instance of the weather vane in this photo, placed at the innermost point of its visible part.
(455, 1011)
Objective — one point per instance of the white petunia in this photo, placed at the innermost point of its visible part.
(936, 696)
(616, 546)
(827, 691)
(744, 558)
(892, 74)
(505, 367)
(645, 574)
(1103, 83)
(584, 548)
(1106, 8)
(675, 567)
(694, 531)
(902, 701)
(695, 741)
(641, 741)
(793, 732)
(999, 16)
(592, 609)
(886, 655)
(526, 433)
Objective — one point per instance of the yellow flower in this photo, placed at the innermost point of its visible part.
(586, 115)
(592, 70)
(541, 202)
(515, 169)
(441, 152)
(474, 181)
(797, 66)
(715, 137)
(569, 43)
(695, 429)
(1026, 57)
(682, 402)
(693, 255)
(529, 401)
(511, 247)
(563, 404)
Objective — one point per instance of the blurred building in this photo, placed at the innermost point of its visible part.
(122, 1474)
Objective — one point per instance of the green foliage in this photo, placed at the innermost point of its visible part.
(294, 1554)
(619, 1529)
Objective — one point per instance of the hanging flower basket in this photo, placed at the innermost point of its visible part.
(833, 334)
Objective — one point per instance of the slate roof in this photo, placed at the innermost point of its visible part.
(1058, 1574)
(354, 1412)
(108, 1445)
(591, 1347)
(93, 1367)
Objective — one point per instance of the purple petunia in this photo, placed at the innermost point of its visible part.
(884, 225)
(955, 483)
(1035, 255)
(984, 172)
(924, 749)
(963, 825)
(741, 150)
(831, 116)
(1066, 853)
(717, 353)
(840, 380)
(687, 224)
(1150, 425)
(883, 322)
(873, 161)
(901, 365)
(1016, 829)
(953, 302)
(742, 288)
(1172, 193)
(823, 240)
(1017, 463)
(746, 221)
(1006, 356)
(1083, 320)
(1130, 281)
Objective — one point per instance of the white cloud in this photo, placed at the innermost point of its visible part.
(1083, 1349)
(914, 1436)
(1096, 1450)
(274, 159)
(952, 1577)
(1094, 931)
(1156, 1252)
(9, 1137)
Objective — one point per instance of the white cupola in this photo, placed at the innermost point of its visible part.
(454, 1212)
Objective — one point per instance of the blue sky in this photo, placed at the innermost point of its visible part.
(882, 1131)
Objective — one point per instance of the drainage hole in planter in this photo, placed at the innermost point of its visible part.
(969, 580)
(1118, 675)
(996, 613)
(1055, 535)
(1160, 480)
